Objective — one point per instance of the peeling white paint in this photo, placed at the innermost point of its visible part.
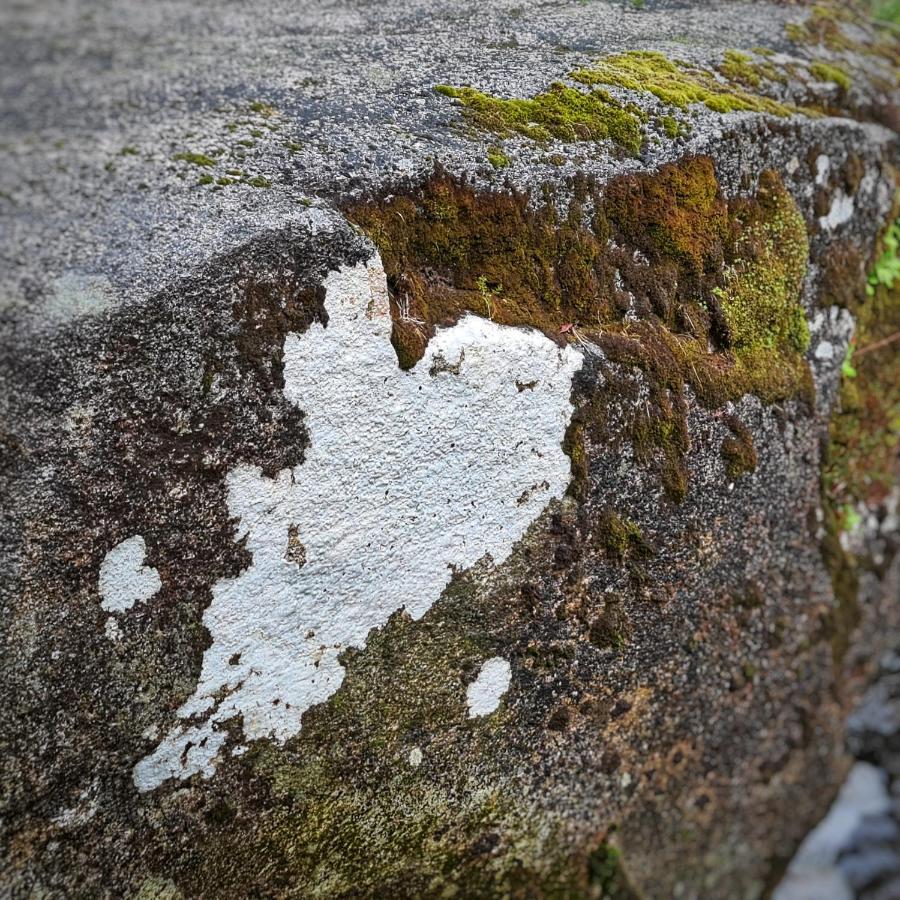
(415, 757)
(124, 579)
(484, 694)
(823, 169)
(409, 476)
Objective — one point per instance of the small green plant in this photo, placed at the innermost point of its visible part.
(488, 295)
(887, 268)
(847, 368)
(850, 518)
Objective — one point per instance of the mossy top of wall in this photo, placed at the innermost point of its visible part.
(569, 114)
(658, 270)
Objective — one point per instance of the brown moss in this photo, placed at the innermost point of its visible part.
(738, 450)
(611, 627)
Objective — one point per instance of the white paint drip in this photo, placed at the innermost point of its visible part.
(124, 579)
(484, 694)
(409, 476)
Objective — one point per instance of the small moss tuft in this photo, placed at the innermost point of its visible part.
(738, 450)
(497, 158)
(195, 159)
(829, 72)
(560, 112)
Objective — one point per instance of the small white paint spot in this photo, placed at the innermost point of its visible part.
(124, 579)
(111, 629)
(239, 750)
(415, 757)
(484, 694)
(625, 780)
(825, 350)
(408, 477)
(841, 211)
(823, 167)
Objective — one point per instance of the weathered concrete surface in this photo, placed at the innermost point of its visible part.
(559, 604)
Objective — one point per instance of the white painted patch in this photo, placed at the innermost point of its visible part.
(823, 168)
(484, 694)
(409, 476)
(124, 579)
(841, 211)
(415, 757)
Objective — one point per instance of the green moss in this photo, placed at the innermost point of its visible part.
(205, 179)
(195, 159)
(761, 296)
(672, 128)
(263, 109)
(620, 538)
(559, 112)
(497, 158)
(258, 181)
(567, 114)
(675, 83)
(742, 68)
(823, 71)
(128, 151)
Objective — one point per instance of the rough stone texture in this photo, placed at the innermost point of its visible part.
(680, 660)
